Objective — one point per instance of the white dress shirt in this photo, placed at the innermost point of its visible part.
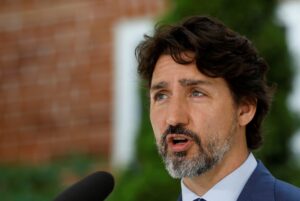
(229, 188)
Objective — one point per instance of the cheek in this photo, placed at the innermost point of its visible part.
(156, 125)
(202, 119)
(222, 126)
(210, 123)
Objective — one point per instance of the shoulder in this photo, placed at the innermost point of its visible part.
(285, 191)
(281, 190)
(263, 186)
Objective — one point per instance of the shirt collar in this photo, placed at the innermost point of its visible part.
(229, 188)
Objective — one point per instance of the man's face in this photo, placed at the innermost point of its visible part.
(193, 116)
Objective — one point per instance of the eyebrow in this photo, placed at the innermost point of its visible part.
(183, 82)
(192, 82)
(159, 85)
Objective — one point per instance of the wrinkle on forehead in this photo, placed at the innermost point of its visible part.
(183, 82)
(191, 82)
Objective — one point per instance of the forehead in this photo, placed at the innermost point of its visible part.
(168, 73)
(166, 69)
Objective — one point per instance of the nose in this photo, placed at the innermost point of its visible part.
(177, 113)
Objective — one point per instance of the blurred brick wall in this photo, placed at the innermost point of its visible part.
(56, 75)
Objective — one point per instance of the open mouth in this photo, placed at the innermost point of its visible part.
(178, 142)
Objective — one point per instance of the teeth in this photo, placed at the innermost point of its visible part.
(179, 138)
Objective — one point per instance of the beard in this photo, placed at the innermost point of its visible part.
(180, 164)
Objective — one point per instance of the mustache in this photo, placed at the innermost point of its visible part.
(179, 129)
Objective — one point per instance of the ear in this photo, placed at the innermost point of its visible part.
(246, 112)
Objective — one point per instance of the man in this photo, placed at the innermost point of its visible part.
(209, 95)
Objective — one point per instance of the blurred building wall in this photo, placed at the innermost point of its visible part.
(56, 75)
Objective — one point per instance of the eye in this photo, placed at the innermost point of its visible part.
(160, 96)
(196, 93)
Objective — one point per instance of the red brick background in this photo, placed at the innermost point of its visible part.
(56, 75)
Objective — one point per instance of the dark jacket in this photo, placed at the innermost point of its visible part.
(263, 186)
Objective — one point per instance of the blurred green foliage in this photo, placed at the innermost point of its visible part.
(27, 184)
(42, 182)
(146, 179)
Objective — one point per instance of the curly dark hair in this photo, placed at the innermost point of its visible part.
(218, 52)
